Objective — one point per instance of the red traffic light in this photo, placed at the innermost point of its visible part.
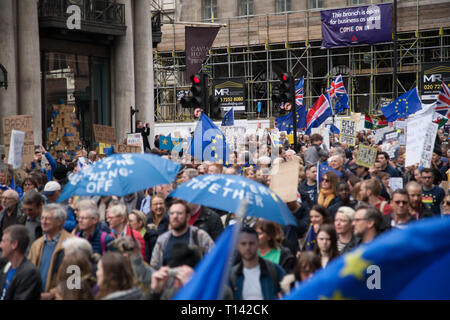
(284, 77)
(195, 79)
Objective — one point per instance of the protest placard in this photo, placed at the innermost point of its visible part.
(379, 134)
(104, 134)
(284, 180)
(348, 132)
(428, 145)
(390, 144)
(135, 140)
(16, 148)
(23, 123)
(396, 183)
(366, 156)
(416, 129)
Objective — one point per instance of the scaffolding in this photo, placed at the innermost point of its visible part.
(366, 69)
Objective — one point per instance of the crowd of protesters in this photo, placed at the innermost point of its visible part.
(146, 245)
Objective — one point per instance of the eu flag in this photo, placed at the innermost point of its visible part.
(341, 103)
(285, 122)
(408, 103)
(404, 264)
(228, 118)
(322, 169)
(208, 142)
(310, 241)
(212, 273)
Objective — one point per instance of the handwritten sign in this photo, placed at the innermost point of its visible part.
(395, 183)
(416, 129)
(16, 148)
(104, 134)
(23, 123)
(366, 156)
(428, 145)
(348, 132)
(135, 139)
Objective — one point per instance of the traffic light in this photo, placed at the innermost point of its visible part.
(214, 109)
(287, 90)
(199, 90)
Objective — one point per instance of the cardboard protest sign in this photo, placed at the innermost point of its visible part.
(416, 129)
(348, 131)
(391, 144)
(104, 134)
(284, 180)
(135, 140)
(23, 123)
(379, 134)
(366, 156)
(428, 145)
(16, 148)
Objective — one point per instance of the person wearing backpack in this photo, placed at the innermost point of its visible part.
(179, 231)
(254, 278)
(89, 227)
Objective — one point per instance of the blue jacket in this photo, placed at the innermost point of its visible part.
(95, 239)
(269, 289)
(71, 221)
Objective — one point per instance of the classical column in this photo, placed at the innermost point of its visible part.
(29, 65)
(124, 93)
(143, 64)
(8, 58)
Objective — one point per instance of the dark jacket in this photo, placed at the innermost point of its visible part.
(20, 218)
(387, 221)
(26, 283)
(391, 171)
(306, 196)
(269, 289)
(95, 239)
(332, 209)
(354, 241)
(145, 132)
(209, 221)
(153, 233)
(287, 259)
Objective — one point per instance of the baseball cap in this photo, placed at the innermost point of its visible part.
(51, 187)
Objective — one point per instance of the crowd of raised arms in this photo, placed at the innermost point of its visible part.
(145, 245)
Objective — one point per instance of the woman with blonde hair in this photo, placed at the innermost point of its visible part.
(344, 229)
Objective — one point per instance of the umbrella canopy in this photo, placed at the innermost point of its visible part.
(121, 174)
(225, 192)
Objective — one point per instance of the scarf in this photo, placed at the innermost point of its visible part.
(325, 197)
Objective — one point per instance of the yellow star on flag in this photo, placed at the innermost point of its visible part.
(219, 136)
(337, 295)
(354, 265)
(216, 156)
(214, 141)
(213, 148)
(164, 141)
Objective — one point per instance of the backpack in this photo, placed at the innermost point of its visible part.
(102, 240)
(272, 272)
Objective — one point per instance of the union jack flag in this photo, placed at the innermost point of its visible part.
(443, 100)
(336, 88)
(298, 93)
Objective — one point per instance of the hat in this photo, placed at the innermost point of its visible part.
(60, 172)
(51, 187)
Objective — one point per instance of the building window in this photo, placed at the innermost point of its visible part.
(282, 6)
(315, 4)
(209, 9)
(356, 2)
(246, 7)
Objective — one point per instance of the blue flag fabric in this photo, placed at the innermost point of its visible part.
(322, 169)
(405, 264)
(310, 242)
(228, 118)
(165, 143)
(208, 142)
(285, 122)
(341, 103)
(212, 272)
(408, 103)
(333, 129)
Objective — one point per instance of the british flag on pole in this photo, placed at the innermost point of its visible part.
(443, 100)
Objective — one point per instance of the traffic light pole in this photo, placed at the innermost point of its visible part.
(294, 112)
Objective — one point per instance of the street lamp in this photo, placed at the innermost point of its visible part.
(3, 77)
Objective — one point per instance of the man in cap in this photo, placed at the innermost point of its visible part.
(52, 190)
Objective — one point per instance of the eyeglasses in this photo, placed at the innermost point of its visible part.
(447, 203)
(401, 202)
(84, 218)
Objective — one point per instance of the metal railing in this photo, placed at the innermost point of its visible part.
(96, 11)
